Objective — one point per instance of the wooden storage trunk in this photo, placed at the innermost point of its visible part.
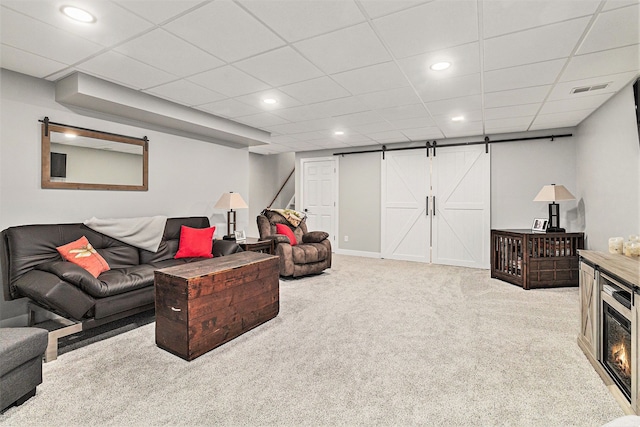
(204, 304)
(536, 260)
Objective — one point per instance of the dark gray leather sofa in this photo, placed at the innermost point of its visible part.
(32, 268)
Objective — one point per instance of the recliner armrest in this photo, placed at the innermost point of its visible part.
(314, 237)
(279, 238)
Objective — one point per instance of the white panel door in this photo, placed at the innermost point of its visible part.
(404, 216)
(318, 195)
(461, 197)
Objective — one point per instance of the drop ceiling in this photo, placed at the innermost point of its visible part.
(360, 67)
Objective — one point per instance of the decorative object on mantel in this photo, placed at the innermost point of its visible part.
(554, 193)
(230, 201)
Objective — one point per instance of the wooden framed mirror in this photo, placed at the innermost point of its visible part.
(85, 159)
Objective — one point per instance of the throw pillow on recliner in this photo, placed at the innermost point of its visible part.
(283, 229)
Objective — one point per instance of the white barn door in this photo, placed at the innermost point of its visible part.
(319, 195)
(404, 216)
(462, 217)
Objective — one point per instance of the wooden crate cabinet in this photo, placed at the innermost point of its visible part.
(535, 260)
(204, 304)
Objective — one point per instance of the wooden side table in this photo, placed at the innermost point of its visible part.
(254, 244)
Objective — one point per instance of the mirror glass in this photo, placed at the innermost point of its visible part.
(88, 159)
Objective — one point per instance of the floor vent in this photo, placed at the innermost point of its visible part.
(589, 88)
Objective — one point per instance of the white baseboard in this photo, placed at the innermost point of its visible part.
(365, 254)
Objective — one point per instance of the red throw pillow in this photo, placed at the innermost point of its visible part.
(195, 242)
(283, 229)
(83, 254)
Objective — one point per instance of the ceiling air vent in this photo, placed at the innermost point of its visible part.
(589, 88)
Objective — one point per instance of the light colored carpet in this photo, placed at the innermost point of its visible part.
(370, 342)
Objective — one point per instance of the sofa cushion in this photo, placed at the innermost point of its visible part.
(286, 231)
(307, 253)
(82, 253)
(170, 239)
(195, 242)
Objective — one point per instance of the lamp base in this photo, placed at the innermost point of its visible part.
(229, 238)
(555, 230)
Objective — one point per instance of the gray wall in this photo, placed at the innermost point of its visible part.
(608, 171)
(186, 176)
(518, 171)
(266, 176)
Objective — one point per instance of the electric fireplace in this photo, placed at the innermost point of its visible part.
(616, 350)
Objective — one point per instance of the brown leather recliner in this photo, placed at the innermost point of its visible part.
(311, 254)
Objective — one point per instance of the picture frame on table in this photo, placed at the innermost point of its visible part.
(240, 236)
(539, 225)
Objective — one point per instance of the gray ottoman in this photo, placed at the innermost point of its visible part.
(21, 351)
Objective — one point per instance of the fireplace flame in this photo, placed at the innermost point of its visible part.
(620, 357)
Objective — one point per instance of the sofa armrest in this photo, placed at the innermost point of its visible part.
(278, 238)
(48, 290)
(225, 247)
(314, 237)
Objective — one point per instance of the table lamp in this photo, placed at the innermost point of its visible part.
(554, 193)
(230, 201)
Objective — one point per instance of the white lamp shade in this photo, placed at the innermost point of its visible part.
(553, 193)
(230, 201)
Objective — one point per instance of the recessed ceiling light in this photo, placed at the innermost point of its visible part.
(270, 101)
(78, 14)
(439, 66)
(457, 118)
(338, 132)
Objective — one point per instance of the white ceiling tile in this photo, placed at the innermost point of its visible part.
(565, 118)
(373, 127)
(464, 60)
(614, 4)
(113, 24)
(372, 79)
(261, 120)
(114, 66)
(307, 136)
(229, 81)
(455, 106)
(461, 129)
(303, 146)
(468, 116)
(580, 103)
(390, 98)
(256, 99)
(413, 123)
(338, 107)
(318, 124)
(355, 119)
(167, 52)
(351, 137)
(291, 128)
(300, 20)
(502, 17)
(423, 133)
(535, 45)
(432, 26)
(161, 11)
(185, 92)
(403, 112)
(539, 74)
(269, 149)
(315, 90)
(30, 35)
(282, 139)
(388, 136)
(345, 49)
(28, 63)
(601, 36)
(378, 8)
(603, 63)
(525, 110)
(279, 67)
(331, 144)
(505, 98)
(302, 113)
(454, 87)
(225, 30)
(229, 108)
(615, 82)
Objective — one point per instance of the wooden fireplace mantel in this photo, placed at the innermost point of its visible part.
(627, 270)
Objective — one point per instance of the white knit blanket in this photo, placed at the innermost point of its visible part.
(143, 232)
